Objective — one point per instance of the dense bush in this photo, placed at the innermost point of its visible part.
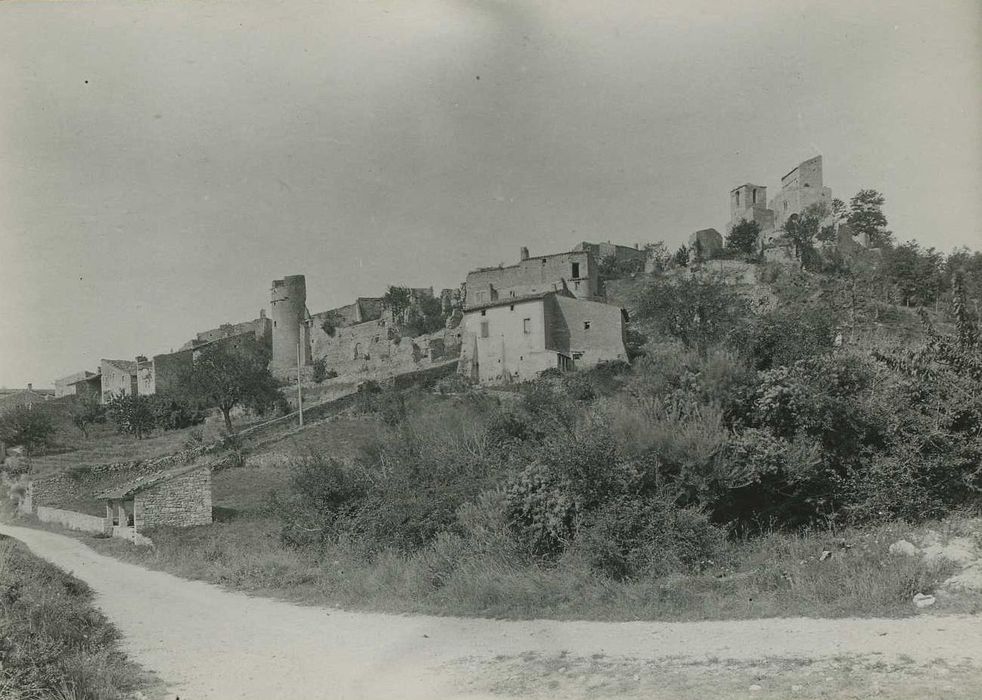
(27, 426)
(141, 415)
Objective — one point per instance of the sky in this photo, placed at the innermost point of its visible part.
(161, 163)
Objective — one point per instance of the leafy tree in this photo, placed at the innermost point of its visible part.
(914, 272)
(132, 414)
(659, 254)
(27, 426)
(744, 237)
(866, 217)
(397, 299)
(698, 311)
(225, 379)
(681, 257)
(802, 230)
(839, 211)
(87, 411)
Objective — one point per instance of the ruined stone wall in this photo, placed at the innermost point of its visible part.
(577, 268)
(180, 502)
(261, 328)
(378, 349)
(168, 370)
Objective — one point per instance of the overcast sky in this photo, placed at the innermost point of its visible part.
(161, 163)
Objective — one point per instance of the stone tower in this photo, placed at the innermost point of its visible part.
(749, 202)
(288, 300)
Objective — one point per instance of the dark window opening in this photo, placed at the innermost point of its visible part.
(485, 329)
(576, 269)
(738, 198)
(527, 326)
(755, 196)
(586, 325)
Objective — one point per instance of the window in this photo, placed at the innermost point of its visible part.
(527, 326)
(484, 312)
(755, 196)
(738, 197)
(577, 354)
(511, 308)
(576, 270)
(485, 329)
(586, 325)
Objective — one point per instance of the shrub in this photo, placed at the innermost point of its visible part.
(631, 536)
(325, 496)
(86, 412)
(320, 370)
(174, 414)
(131, 414)
(27, 426)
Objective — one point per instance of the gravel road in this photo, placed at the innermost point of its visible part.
(206, 643)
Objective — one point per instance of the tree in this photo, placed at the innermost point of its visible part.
(87, 411)
(681, 256)
(698, 311)
(397, 299)
(27, 426)
(802, 230)
(658, 254)
(914, 272)
(866, 217)
(227, 378)
(840, 213)
(132, 414)
(744, 237)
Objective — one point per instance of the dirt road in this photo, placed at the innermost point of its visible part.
(207, 643)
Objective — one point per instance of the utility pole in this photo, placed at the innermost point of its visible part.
(299, 378)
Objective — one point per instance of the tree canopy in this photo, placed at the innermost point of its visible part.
(227, 378)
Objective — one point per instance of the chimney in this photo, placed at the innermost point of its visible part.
(524, 255)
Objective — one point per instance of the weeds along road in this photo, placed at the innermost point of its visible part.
(207, 643)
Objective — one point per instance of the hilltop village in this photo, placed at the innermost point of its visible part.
(503, 324)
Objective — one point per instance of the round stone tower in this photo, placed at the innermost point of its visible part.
(288, 300)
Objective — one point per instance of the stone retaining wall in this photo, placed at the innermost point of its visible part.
(72, 520)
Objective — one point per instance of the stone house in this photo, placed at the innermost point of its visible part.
(515, 339)
(118, 377)
(576, 271)
(178, 497)
(66, 386)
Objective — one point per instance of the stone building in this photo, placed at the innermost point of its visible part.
(177, 498)
(118, 377)
(65, 386)
(749, 203)
(575, 271)
(514, 339)
(621, 253)
(800, 189)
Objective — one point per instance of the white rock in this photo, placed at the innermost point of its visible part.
(903, 547)
(923, 601)
(756, 687)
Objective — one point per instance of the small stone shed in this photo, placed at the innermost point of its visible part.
(178, 497)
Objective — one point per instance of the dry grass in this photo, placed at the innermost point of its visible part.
(56, 644)
(778, 575)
